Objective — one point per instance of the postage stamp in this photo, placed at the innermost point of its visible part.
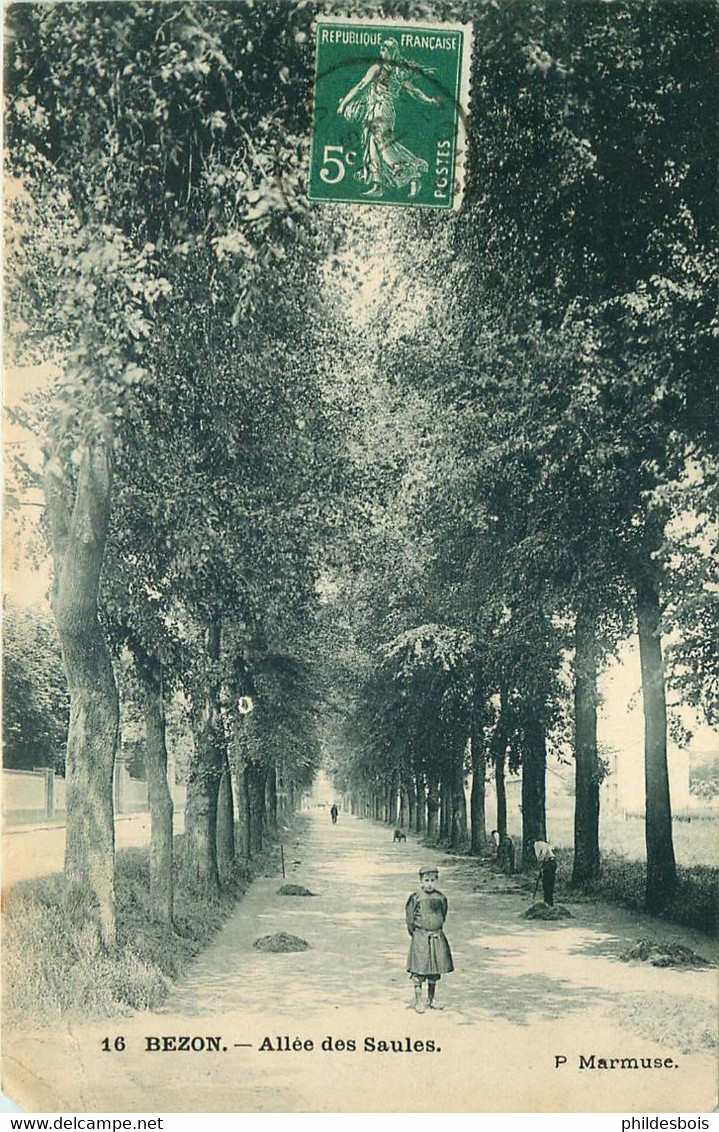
(390, 112)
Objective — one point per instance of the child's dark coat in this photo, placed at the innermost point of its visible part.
(429, 952)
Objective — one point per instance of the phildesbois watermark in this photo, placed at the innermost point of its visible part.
(390, 113)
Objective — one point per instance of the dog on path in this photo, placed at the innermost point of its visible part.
(399, 836)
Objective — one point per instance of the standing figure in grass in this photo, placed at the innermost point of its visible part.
(429, 954)
(547, 868)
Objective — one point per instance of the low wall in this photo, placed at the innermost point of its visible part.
(30, 796)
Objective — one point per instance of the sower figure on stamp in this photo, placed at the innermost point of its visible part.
(429, 954)
(547, 869)
(386, 162)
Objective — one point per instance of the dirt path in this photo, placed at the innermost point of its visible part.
(523, 994)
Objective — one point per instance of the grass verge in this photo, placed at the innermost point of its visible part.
(54, 967)
(695, 903)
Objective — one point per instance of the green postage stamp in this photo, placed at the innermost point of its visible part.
(390, 113)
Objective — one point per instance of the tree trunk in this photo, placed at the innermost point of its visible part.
(280, 800)
(501, 790)
(158, 792)
(534, 767)
(78, 543)
(458, 831)
(256, 774)
(243, 811)
(661, 866)
(203, 784)
(225, 823)
(390, 802)
(586, 802)
(403, 806)
(421, 823)
(271, 800)
(411, 803)
(478, 818)
(445, 813)
(433, 811)
(498, 749)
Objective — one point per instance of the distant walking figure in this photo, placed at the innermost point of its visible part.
(429, 954)
(333, 814)
(547, 868)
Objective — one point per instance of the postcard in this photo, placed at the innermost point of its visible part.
(359, 708)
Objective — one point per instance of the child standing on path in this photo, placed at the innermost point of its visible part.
(429, 953)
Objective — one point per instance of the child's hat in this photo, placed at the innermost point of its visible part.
(426, 869)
